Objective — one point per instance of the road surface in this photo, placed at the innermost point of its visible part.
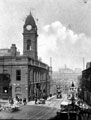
(35, 111)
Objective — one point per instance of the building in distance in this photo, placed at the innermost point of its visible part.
(65, 76)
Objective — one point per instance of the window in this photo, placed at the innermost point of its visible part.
(18, 89)
(28, 44)
(4, 77)
(18, 75)
(5, 89)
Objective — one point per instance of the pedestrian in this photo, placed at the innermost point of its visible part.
(17, 98)
(20, 100)
(24, 101)
(35, 99)
(11, 101)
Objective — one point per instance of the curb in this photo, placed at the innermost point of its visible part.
(50, 98)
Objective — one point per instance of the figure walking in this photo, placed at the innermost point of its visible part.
(24, 101)
(11, 100)
(35, 99)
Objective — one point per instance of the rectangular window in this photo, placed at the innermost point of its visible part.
(28, 44)
(18, 75)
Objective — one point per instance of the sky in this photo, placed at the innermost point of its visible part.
(64, 29)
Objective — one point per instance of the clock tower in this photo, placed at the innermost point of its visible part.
(30, 38)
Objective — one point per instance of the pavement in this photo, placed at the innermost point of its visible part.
(29, 103)
(3, 101)
(33, 102)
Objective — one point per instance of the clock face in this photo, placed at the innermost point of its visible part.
(28, 27)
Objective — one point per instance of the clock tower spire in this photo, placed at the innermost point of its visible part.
(30, 38)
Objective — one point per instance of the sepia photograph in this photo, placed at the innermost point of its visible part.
(45, 59)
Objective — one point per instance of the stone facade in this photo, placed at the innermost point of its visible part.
(28, 77)
(86, 85)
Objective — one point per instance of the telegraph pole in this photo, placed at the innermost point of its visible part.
(50, 71)
(83, 63)
(51, 65)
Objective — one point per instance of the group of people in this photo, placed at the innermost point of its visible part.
(39, 98)
(17, 100)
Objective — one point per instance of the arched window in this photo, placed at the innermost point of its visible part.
(18, 75)
(28, 44)
(18, 89)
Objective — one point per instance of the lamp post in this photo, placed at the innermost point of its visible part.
(79, 93)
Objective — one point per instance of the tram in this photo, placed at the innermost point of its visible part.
(59, 92)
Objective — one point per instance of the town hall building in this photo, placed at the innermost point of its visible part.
(24, 75)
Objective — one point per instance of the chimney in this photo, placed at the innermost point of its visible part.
(13, 50)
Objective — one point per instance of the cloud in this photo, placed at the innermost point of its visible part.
(63, 45)
(55, 40)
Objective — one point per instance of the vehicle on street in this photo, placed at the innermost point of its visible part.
(59, 92)
(40, 101)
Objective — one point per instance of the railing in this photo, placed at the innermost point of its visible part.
(22, 61)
